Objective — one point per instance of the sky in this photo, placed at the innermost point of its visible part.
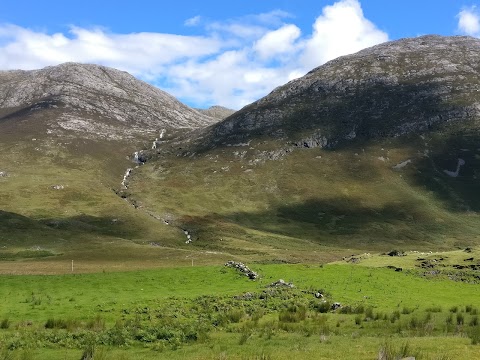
(216, 52)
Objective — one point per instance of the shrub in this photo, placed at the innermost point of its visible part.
(235, 315)
(323, 306)
(89, 351)
(475, 335)
(414, 323)
(394, 316)
(96, 324)
(246, 333)
(293, 314)
(474, 321)
(453, 309)
(389, 352)
(406, 310)
(5, 324)
(460, 319)
(55, 324)
(360, 309)
(369, 313)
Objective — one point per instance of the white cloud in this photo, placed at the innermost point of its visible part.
(193, 21)
(341, 29)
(236, 61)
(136, 52)
(469, 21)
(278, 42)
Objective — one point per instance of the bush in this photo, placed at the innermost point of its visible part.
(406, 310)
(389, 352)
(475, 335)
(453, 309)
(323, 307)
(394, 316)
(293, 314)
(55, 324)
(235, 315)
(369, 313)
(460, 319)
(5, 324)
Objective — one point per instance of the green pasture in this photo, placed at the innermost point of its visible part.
(213, 312)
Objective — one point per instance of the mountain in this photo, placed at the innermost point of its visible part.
(89, 101)
(68, 133)
(370, 151)
(217, 112)
(395, 88)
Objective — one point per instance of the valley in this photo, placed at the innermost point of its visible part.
(357, 183)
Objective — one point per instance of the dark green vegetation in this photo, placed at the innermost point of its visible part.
(214, 312)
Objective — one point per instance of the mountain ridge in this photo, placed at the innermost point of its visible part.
(91, 96)
(309, 104)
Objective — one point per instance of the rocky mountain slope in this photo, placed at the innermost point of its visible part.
(91, 101)
(371, 150)
(68, 133)
(395, 88)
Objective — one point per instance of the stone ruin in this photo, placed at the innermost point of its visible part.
(244, 269)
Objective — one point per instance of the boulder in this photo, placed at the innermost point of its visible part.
(282, 283)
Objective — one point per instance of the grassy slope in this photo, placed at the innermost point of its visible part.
(311, 205)
(315, 201)
(85, 221)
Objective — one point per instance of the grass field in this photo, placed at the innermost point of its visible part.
(214, 312)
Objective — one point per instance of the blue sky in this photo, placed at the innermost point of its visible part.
(216, 52)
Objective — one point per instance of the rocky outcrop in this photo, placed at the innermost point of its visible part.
(244, 269)
(388, 90)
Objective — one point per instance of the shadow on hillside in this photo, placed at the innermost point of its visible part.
(339, 219)
(437, 172)
(14, 226)
(377, 109)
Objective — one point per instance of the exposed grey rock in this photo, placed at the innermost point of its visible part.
(336, 305)
(3, 174)
(244, 269)
(57, 187)
(388, 90)
(282, 283)
(95, 101)
(401, 165)
(140, 157)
